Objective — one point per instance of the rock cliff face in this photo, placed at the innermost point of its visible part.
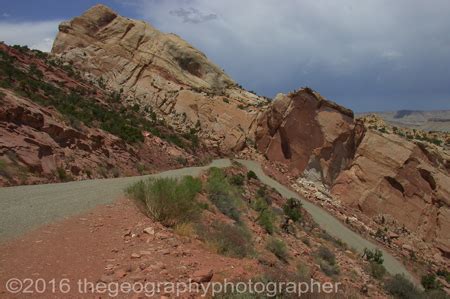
(408, 181)
(313, 136)
(160, 71)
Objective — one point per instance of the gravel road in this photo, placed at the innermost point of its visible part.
(24, 208)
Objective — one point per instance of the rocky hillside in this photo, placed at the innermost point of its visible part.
(162, 72)
(57, 127)
(396, 185)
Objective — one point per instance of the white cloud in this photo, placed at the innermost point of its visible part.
(36, 35)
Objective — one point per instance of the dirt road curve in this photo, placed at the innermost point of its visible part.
(23, 208)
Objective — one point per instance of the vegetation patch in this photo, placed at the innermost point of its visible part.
(327, 261)
(167, 200)
(252, 175)
(80, 105)
(228, 239)
(222, 194)
(375, 256)
(278, 248)
(400, 287)
(292, 209)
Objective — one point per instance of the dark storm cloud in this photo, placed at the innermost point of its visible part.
(368, 55)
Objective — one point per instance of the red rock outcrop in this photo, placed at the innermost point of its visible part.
(38, 144)
(409, 181)
(312, 135)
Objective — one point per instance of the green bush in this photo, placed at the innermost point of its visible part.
(266, 220)
(400, 287)
(237, 180)
(167, 200)
(222, 194)
(429, 282)
(292, 209)
(444, 274)
(373, 256)
(278, 248)
(252, 175)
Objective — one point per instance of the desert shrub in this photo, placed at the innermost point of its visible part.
(435, 294)
(444, 274)
(185, 229)
(222, 194)
(327, 261)
(140, 168)
(181, 160)
(292, 209)
(429, 282)
(400, 287)
(373, 256)
(328, 269)
(62, 174)
(237, 180)
(377, 270)
(115, 172)
(252, 175)
(325, 254)
(266, 220)
(262, 193)
(303, 271)
(266, 216)
(4, 170)
(167, 200)
(103, 171)
(278, 248)
(228, 239)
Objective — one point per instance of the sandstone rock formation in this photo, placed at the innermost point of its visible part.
(393, 176)
(162, 72)
(310, 134)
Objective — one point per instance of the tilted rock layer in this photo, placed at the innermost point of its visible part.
(160, 71)
(409, 181)
(39, 144)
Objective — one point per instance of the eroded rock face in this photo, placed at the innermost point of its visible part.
(310, 134)
(161, 72)
(36, 146)
(391, 175)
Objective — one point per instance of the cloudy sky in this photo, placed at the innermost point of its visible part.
(369, 55)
